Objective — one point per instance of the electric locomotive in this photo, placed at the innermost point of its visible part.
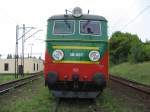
(76, 57)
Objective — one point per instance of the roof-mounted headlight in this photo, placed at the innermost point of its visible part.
(77, 12)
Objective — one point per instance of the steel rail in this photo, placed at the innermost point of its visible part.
(57, 103)
(6, 87)
(68, 105)
(132, 84)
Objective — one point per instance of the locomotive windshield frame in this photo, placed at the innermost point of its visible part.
(90, 28)
(61, 27)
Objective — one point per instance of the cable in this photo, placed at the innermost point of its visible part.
(128, 8)
(138, 15)
(8, 16)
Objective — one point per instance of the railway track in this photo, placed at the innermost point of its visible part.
(6, 87)
(131, 84)
(76, 105)
(79, 105)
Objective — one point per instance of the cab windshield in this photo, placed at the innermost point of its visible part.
(63, 27)
(90, 27)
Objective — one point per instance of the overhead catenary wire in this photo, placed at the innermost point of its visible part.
(138, 15)
(120, 17)
(5, 13)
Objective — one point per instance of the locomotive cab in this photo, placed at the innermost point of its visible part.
(76, 58)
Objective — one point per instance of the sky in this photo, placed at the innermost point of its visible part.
(123, 15)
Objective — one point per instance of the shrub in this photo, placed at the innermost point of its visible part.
(136, 54)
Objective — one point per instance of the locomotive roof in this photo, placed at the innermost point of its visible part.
(84, 16)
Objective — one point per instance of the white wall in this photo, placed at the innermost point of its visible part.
(28, 65)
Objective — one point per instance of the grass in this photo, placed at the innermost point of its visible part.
(113, 103)
(37, 98)
(137, 72)
(6, 78)
(38, 103)
(9, 77)
(34, 98)
(108, 102)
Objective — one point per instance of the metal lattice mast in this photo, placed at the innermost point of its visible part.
(24, 32)
(16, 52)
(23, 38)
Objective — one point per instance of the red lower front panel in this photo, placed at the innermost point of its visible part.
(85, 71)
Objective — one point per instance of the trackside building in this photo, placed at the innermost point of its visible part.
(31, 65)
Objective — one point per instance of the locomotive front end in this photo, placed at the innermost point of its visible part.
(76, 58)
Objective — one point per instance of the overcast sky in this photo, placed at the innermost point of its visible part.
(125, 15)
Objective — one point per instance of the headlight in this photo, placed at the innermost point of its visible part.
(57, 55)
(94, 55)
(77, 12)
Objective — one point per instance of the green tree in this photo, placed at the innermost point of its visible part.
(146, 49)
(136, 54)
(120, 45)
